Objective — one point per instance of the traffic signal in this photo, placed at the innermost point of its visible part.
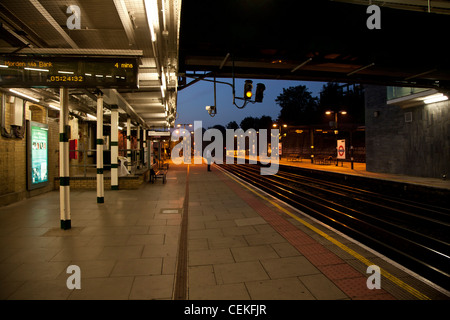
(259, 95)
(248, 86)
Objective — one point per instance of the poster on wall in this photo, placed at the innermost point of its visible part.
(37, 154)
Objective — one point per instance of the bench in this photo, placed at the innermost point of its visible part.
(294, 157)
(323, 160)
(158, 173)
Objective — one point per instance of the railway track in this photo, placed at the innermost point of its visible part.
(413, 233)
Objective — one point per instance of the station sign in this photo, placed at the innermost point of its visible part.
(340, 149)
(71, 72)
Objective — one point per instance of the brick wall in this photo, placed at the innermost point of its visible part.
(417, 148)
(90, 183)
(13, 156)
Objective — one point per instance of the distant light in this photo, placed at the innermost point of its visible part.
(66, 72)
(284, 125)
(274, 125)
(343, 112)
(327, 112)
(435, 98)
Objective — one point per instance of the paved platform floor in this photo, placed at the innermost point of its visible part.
(239, 247)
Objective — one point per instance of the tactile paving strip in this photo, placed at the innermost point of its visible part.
(347, 278)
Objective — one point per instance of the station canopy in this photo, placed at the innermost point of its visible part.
(170, 42)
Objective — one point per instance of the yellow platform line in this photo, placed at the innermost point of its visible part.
(353, 253)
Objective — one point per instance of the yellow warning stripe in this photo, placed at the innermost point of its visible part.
(364, 260)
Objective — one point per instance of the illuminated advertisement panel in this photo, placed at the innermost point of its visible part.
(37, 154)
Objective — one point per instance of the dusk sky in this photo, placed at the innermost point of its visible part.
(193, 100)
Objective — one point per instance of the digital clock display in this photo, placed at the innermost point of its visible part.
(72, 72)
(65, 78)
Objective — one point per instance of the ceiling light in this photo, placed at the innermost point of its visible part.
(91, 116)
(24, 95)
(36, 69)
(54, 107)
(151, 8)
(66, 72)
(435, 98)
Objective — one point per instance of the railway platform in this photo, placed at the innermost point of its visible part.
(201, 236)
(359, 169)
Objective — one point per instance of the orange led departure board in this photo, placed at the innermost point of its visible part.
(72, 72)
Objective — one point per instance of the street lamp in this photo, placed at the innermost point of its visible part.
(329, 112)
(342, 112)
(283, 125)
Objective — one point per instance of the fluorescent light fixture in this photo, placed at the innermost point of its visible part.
(99, 75)
(3, 66)
(90, 116)
(66, 72)
(119, 127)
(54, 107)
(24, 95)
(88, 74)
(151, 8)
(37, 69)
(435, 98)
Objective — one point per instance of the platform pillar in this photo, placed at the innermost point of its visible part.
(114, 147)
(64, 176)
(144, 145)
(138, 152)
(129, 144)
(100, 178)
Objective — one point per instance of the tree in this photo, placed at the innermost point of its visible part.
(232, 125)
(298, 106)
(337, 97)
(249, 123)
(219, 127)
(265, 122)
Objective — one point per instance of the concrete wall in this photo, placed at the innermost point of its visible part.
(417, 148)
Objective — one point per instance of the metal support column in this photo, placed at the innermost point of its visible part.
(100, 179)
(114, 147)
(64, 176)
(129, 144)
